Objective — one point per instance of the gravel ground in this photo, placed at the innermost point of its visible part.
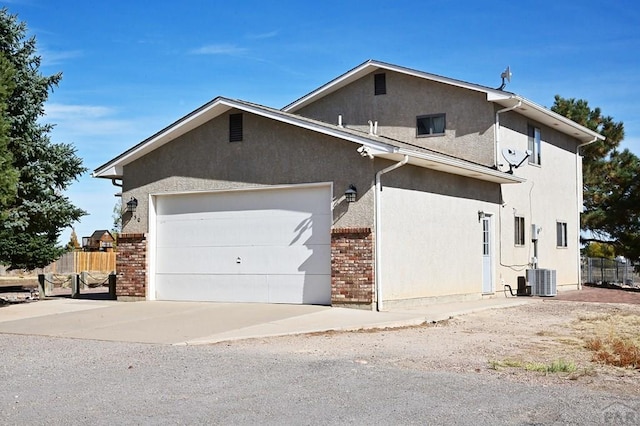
(440, 374)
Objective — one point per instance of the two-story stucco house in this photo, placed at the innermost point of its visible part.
(385, 187)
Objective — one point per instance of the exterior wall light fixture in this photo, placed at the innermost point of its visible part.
(351, 194)
(132, 205)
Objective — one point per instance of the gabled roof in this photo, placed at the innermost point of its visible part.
(376, 146)
(100, 233)
(525, 107)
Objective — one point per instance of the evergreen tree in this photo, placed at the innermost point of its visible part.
(33, 220)
(8, 173)
(611, 181)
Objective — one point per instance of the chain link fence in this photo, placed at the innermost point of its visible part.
(609, 271)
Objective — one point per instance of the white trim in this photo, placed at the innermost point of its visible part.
(215, 108)
(151, 249)
(455, 166)
(245, 189)
(371, 66)
(506, 99)
(492, 252)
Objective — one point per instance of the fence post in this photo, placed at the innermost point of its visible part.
(75, 286)
(84, 278)
(48, 284)
(112, 287)
(42, 289)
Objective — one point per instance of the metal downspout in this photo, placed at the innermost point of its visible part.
(497, 131)
(579, 196)
(378, 230)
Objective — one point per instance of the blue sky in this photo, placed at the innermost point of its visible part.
(132, 67)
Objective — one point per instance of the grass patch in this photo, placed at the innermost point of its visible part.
(510, 363)
(557, 366)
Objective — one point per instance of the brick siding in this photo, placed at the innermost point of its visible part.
(352, 267)
(131, 267)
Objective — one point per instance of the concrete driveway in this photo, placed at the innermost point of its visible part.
(190, 323)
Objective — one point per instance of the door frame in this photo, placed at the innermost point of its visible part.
(488, 271)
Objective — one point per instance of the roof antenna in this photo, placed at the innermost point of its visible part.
(506, 75)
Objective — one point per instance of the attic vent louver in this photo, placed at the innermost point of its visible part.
(235, 127)
(380, 84)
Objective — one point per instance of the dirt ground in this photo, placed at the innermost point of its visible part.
(513, 343)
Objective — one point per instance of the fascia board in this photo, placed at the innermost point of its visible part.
(462, 167)
(330, 87)
(215, 108)
(178, 128)
(371, 66)
(555, 116)
(545, 116)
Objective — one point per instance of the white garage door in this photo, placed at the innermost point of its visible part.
(268, 245)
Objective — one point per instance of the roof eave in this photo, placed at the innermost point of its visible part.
(546, 116)
(373, 65)
(460, 167)
(114, 168)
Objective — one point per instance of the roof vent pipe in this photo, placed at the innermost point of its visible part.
(370, 127)
(340, 120)
(375, 127)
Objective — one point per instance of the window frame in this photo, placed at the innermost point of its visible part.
(562, 240)
(519, 237)
(430, 117)
(534, 144)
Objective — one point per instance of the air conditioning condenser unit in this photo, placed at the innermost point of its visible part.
(542, 282)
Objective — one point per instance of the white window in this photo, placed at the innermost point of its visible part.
(430, 124)
(534, 144)
(519, 231)
(561, 234)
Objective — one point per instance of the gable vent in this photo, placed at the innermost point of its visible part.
(235, 127)
(380, 84)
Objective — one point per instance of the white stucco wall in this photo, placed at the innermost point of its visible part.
(551, 194)
(431, 237)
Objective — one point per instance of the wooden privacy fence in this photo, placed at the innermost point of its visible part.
(78, 261)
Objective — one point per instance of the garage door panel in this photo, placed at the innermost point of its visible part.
(267, 245)
(295, 199)
(255, 229)
(244, 260)
(219, 288)
(310, 289)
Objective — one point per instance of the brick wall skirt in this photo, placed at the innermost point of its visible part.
(131, 267)
(352, 267)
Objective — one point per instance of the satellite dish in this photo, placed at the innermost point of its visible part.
(514, 157)
(506, 75)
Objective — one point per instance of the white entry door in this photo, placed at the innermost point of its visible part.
(487, 256)
(266, 245)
